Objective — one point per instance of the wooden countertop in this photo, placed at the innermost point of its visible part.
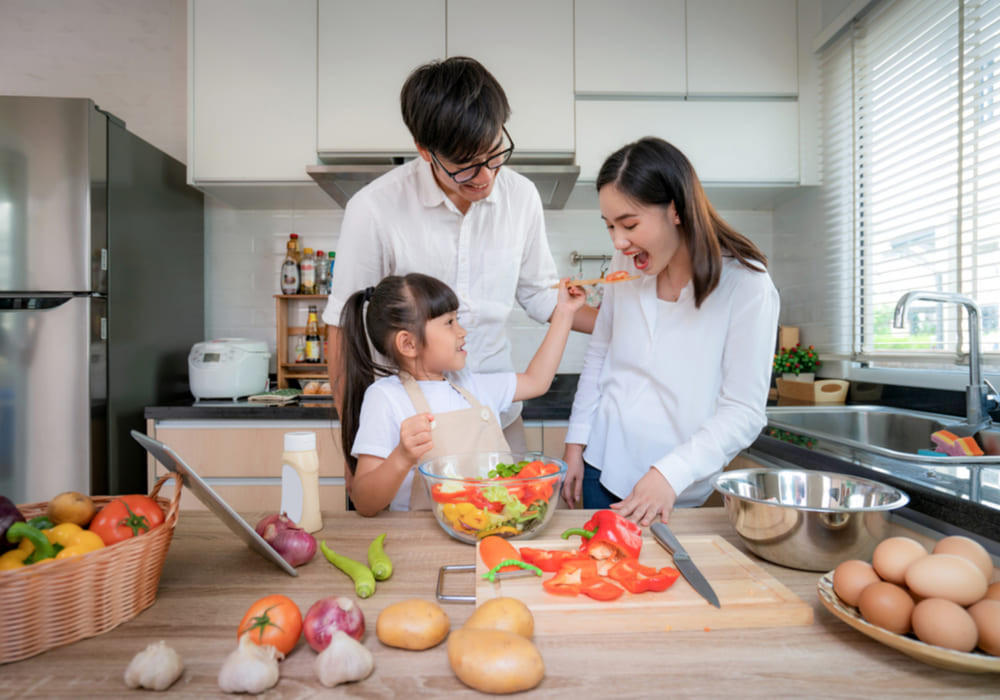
(210, 578)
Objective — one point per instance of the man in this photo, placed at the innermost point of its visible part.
(456, 214)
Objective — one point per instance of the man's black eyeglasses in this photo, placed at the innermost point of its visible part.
(463, 175)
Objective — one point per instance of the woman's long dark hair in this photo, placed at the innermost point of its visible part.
(654, 172)
(398, 303)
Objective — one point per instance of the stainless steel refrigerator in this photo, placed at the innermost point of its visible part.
(101, 295)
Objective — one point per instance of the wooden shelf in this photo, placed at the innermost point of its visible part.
(295, 370)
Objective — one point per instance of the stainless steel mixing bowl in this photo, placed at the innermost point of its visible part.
(807, 519)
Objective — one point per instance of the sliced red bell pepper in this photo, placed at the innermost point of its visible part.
(571, 576)
(638, 578)
(607, 535)
(452, 492)
(548, 559)
(601, 589)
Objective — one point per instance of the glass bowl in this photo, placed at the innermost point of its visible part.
(475, 494)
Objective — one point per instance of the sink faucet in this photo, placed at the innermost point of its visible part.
(980, 394)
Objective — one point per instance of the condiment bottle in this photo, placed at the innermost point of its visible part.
(307, 273)
(300, 481)
(293, 245)
(290, 271)
(312, 337)
(322, 273)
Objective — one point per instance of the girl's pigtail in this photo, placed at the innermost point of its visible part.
(359, 370)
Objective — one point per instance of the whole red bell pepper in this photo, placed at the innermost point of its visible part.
(638, 578)
(608, 535)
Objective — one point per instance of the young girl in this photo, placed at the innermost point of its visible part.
(425, 404)
(676, 375)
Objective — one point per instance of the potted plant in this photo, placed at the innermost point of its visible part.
(797, 363)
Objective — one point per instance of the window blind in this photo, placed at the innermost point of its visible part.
(910, 93)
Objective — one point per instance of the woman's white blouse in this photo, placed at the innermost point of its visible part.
(673, 387)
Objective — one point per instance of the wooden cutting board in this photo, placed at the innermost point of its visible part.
(749, 596)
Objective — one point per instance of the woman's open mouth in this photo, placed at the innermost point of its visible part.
(641, 260)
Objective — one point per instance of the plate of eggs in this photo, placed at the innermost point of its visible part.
(941, 607)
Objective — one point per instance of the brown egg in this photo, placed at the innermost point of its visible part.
(986, 614)
(944, 624)
(967, 549)
(894, 555)
(886, 605)
(946, 576)
(851, 577)
(993, 592)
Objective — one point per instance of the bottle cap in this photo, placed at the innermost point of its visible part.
(293, 236)
(308, 251)
(320, 253)
(300, 442)
(332, 254)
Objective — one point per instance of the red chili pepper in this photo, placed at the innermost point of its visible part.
(607, 535)
(638, 578)
(548, 559)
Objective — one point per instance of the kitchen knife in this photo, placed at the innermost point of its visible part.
(682, 560)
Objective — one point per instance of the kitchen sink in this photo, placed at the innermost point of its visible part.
(889, 439)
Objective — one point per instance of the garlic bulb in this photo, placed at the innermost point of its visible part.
(250, 668)
(344, 660)
(156, 667)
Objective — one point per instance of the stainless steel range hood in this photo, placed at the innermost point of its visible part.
(554, 181)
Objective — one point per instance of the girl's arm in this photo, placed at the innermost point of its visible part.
(376, 480)
(537, 379)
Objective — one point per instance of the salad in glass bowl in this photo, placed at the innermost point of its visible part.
(478, 494)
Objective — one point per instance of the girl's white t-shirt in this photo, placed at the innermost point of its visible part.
(386, 405)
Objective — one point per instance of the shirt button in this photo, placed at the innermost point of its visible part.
(485, 414)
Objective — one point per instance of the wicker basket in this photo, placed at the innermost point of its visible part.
(49, 605)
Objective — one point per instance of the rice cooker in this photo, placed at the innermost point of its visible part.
(228, 368)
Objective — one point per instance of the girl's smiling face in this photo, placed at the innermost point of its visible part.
(444, 347)
(646, 233)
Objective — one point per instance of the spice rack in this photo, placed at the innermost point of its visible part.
(285, 304)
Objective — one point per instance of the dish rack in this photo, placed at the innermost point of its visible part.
(48, 605)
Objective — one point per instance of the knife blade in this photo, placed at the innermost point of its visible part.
(682, 560)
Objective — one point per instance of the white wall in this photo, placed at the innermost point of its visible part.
(245, 249)
(129, 56)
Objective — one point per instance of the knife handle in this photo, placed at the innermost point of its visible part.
(667, 538)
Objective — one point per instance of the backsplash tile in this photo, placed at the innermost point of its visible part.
(244, 250)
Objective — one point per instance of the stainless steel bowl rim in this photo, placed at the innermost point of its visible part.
(902, 498)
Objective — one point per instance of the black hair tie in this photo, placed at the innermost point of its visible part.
(368, 293)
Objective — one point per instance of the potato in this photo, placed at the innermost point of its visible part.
(412, 624)
(494, 661)
(507, 614)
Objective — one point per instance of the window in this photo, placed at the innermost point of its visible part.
(911, 137)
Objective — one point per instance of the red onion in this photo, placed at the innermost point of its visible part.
(295, 545)
(328, 615)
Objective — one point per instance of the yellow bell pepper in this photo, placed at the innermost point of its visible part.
(14, 559)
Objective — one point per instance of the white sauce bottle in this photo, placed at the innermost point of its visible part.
(300, 481)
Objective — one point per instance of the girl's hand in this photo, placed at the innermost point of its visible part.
(570, 298)
(572, 489)
(415, 436)
(652, 496)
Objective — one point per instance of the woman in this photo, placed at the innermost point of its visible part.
(675, 379)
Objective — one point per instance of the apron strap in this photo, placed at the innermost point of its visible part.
(420, 401)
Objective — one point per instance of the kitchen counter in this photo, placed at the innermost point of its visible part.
(210, 578)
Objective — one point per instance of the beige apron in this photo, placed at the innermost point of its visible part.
(473, 429)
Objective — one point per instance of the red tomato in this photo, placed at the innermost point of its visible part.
(125, 517)
(273, 620)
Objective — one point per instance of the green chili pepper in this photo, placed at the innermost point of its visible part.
(491, 575)
(43, 548)
(378, 560)
(364, 579)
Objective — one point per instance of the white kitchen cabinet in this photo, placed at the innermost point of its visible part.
(742, 48)
(528, 46)
(630, 47)
(252, 91)
(743, 142)
(366, 51)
